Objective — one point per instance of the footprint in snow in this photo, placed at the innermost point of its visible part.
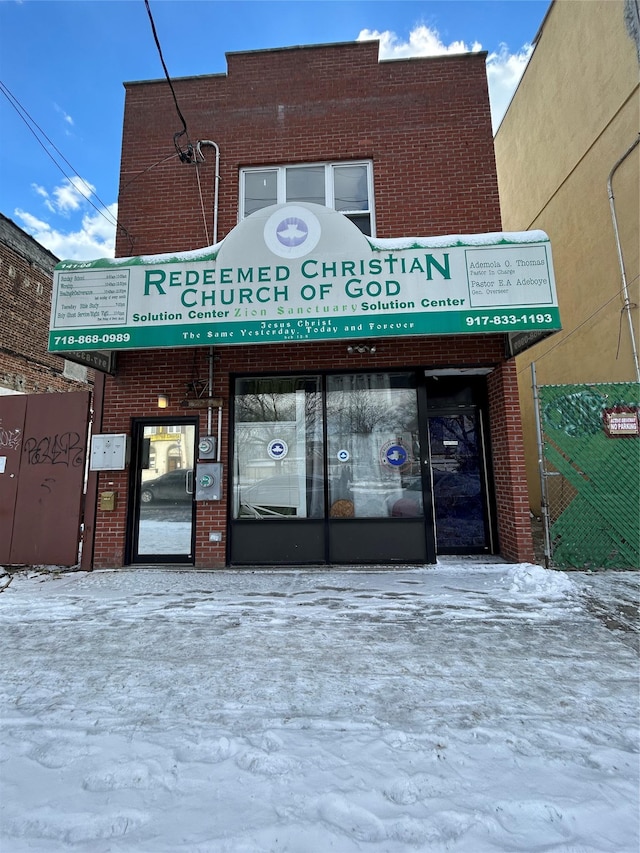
(352, 820)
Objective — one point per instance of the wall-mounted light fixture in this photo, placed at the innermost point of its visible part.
(163, 401)
(360, 349)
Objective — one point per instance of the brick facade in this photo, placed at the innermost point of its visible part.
(26, 275)
(424, 123)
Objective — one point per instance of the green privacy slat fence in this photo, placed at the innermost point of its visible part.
(592, 473)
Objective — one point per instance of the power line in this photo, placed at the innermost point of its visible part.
(576, 329)
(191, 153)
(31, 123)
(185, 156)
(144, 171)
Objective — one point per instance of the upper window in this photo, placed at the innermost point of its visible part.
(346, 187)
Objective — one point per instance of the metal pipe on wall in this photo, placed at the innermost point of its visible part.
(216, 191)
(625, 290)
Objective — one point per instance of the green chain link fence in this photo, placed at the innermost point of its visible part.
(591, 470)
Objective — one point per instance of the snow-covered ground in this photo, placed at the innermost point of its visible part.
(466, 707)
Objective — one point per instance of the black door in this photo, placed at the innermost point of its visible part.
(458, 471)
(161, 528)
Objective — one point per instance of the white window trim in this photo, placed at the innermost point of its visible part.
(329, 168)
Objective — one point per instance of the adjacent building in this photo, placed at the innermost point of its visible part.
(26, 276)
(567, 156)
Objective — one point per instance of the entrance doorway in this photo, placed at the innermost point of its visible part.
(161, 521)
(462, 509)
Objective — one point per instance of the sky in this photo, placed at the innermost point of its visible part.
(62, 66)
(468, 707)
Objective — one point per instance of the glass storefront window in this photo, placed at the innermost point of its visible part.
(278, 459)
(338, 460)
(373, 446)
(371, 466)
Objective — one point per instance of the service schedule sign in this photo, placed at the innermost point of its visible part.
(303, 272)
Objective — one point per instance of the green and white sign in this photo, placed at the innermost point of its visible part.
(300, 273)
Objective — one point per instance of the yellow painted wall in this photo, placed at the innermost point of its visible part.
(574, 115)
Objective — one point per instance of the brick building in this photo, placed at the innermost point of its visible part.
(315, 409)
(26, 276)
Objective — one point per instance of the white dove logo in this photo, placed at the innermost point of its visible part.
(292, 231)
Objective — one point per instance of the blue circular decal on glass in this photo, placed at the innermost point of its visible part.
(278, 448)
(395, 455)
(292, 232)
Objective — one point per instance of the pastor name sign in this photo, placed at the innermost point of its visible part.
(303, 272)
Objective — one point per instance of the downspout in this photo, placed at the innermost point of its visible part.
(216, 192)
(216, 187)
(625, 290)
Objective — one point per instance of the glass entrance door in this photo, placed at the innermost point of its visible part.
(162, 521)
(459, 482)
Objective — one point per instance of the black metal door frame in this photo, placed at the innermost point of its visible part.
(138, 454)
(486, 487)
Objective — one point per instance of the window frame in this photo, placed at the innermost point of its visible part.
(329, 185)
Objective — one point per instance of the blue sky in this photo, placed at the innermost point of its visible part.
(62, 65)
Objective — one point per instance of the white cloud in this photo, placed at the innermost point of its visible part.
(65, 116)
(40, 190)
(86, 234)
(504, 69)
(423, 41)
(68, 197)
(95, 238)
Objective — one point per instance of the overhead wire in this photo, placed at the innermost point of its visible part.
(577, 328)
(190, 155)
(185, 156)
(31, 123)
(148, 169)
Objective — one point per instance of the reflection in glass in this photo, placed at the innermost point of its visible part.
(361, 221)
(306, 183)
(166, 490)
(260, 190)
(373, 446)
(457, 481)
(350, 188)
(278, 448)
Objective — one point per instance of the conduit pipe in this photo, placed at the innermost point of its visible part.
(625, 290)
(216, 186)
(216, 191)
